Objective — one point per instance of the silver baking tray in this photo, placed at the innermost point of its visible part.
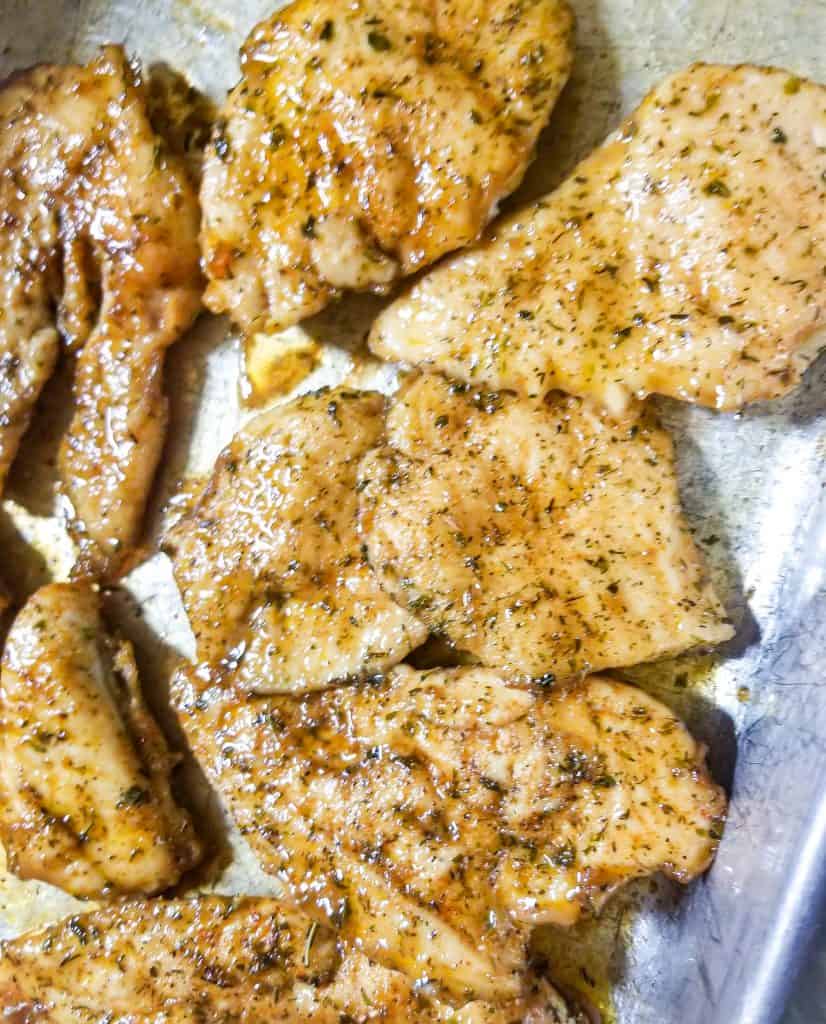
(726, 951)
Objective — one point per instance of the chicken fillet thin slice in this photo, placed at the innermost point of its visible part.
(544, 539)
(684, 257)
(365, 140)
(270, 564)
(218, 960)
(99, 248)
(436, 817)
(85, 801)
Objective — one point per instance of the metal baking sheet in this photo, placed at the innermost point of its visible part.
(725, 951)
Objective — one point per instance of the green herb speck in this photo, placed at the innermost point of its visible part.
(379, 41)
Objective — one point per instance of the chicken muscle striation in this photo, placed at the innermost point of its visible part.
(684, 257)
(270, 564)
(543, 539)
(99, 247)
(215, 960)
(435, 817)
(367, 139)
(85, 801)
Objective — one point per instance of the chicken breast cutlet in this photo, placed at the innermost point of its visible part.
(543, 539)
(684, 257)
(216, 960)
(436, 817)
(365, 140)
(101, 223)
(270, 564)
(85, 801)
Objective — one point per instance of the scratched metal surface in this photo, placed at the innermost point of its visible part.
(727, 950)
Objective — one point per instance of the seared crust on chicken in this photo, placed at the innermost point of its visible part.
(101, 222)
(684, 257)
(435, 817)
(365, 140)
(270, 564)
(214, 960)
(543, 539)
(85, 801)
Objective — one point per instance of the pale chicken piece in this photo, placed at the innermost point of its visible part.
(436, 817)
(365, 140)
(269, 562)
(684, 257)
(217, 960)
(543, 539)
(99, 248)
(85, 801)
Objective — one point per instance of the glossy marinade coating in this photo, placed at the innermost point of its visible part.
(367, 139)
(99, 251)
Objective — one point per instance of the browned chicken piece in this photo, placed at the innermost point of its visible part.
(270, 564)
(436, 817)
(365, 140)
(101, 223)
(544, 539)
(684, 257)
(216, 960)
(85, 801)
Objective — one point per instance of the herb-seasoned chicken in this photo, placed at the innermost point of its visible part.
(543, 539)
(367, 139)
(214, 960)
(101, 223)
(270, 564)
(84, 770)
(684, 257)
(435, 817)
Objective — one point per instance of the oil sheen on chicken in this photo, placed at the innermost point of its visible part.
(544, 539)
(684, 257)
(85, 801)
(215, 959)
(270, 564)
(99, 221)
(367, 139)
(436, 817)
